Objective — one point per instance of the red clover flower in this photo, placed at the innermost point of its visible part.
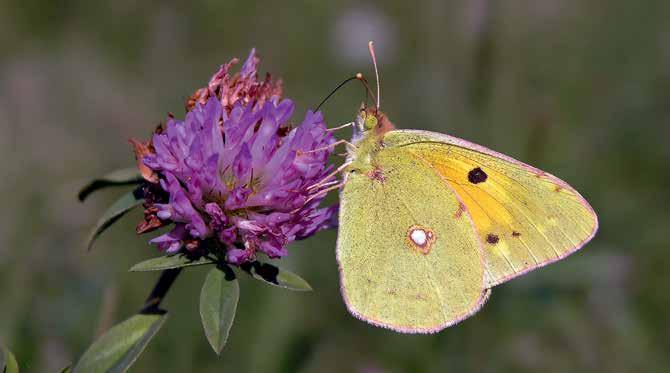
(234, 173)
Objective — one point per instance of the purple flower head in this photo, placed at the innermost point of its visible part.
(236, 172)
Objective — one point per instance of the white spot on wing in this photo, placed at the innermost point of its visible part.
(419, 237)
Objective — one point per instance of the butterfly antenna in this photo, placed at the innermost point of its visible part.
(355, 77)
(368, 91)
(371, 48)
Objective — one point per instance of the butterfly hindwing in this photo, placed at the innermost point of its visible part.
(525, 218)
(388, 280)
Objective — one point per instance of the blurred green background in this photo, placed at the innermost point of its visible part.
(578, 88)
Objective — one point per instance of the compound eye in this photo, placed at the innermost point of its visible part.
(370, 122)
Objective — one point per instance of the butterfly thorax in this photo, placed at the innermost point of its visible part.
(371, 126)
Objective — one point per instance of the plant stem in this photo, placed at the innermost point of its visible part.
(165, 281)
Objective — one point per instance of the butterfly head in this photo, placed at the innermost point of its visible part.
(371, 120)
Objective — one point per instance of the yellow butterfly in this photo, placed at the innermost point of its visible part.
(429, 223)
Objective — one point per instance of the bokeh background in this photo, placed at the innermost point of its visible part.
(578, 88)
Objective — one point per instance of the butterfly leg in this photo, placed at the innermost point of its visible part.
(340, 127)
(329, 176)
(330, 183)
(336, 143)
(324, 192)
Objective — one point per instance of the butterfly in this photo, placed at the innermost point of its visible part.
(430, 223)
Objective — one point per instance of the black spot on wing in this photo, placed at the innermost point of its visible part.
(492, 238)
(516, 234)
(477, 175)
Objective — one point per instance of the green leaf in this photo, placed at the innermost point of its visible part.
(119, 208)
(8, 362)
(126, 176)
(218, 303)
(167, 262)
(119, 347)
(276, 276)
(66, 369)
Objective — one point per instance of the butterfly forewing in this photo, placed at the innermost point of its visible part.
(525, 218)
